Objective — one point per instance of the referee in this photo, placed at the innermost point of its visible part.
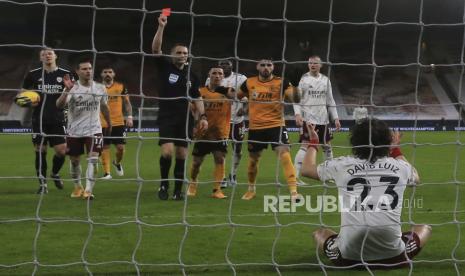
(175, 120)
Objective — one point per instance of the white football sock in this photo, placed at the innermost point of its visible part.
(75, 172)
(299, 159)
(90, 177)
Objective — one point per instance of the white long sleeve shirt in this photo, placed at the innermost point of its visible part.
(317, 105)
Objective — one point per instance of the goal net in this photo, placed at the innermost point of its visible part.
(401, 60)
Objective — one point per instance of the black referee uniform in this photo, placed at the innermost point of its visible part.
(175, 120)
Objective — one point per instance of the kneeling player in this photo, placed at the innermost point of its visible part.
(371, 186)
(218, 112)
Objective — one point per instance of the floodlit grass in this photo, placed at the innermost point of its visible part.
(127, 230)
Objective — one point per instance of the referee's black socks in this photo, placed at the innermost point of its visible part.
(179, 175)
(58, 162)
(165, 165)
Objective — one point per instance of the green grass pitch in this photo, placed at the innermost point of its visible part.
(127, 224)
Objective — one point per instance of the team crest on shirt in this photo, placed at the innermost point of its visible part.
(39, 79)
(59, 79)
(173, 78)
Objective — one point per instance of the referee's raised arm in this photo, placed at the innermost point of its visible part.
(158, 38)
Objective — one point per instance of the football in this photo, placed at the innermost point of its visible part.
(27, 98)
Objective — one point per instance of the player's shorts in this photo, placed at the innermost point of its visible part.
(119, 134)
(54, 129)
(204, 148)
(237, 132)
(175, 133)
(260, 138)
(324, 133)
(76, 145)
(412, 248)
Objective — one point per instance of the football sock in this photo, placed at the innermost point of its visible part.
(106, 160)
(179, 175)
(58, 162)
(195, 170)
(90, 178)
(75, 170)
(41, 165)
(119, 155)
(218, 176)
(299, 159)
(328, 152)
(237, 155)
(252, 171)
(165, 165)
(289, 170)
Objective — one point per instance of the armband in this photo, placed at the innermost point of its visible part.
(313, 143)
(395, 152)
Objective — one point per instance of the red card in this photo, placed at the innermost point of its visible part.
(166, 11)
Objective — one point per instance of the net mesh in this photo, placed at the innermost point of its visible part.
(235, 224)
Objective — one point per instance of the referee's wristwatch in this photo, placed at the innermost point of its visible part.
(203, 116)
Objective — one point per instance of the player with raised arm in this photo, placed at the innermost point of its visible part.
(175, 120)
(118, 102)
(48, 121)
(317, 107)
(371, 186)
(238, 110)
(85, 100)
(214, 140)
(266, 92)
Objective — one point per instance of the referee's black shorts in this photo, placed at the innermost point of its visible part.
(176, 133)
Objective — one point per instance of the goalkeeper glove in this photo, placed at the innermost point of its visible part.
(23, 101)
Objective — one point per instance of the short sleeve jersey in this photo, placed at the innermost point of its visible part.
(49, 85)
(84, 109)
(370, 201)
(174, 85)
(218, 111)
(265, 101)
(235, 80)
(116, 94)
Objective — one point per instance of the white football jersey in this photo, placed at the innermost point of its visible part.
(84, 109)
(316, 100)
(370, 201)
(235, 81)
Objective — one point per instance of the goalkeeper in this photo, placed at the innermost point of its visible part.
(47, 119)
(371, 186)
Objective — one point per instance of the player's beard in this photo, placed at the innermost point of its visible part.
(265, 74)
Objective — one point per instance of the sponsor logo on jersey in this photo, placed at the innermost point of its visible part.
(173, 78)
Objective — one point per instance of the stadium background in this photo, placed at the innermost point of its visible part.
(127, 231)
(352, 44)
